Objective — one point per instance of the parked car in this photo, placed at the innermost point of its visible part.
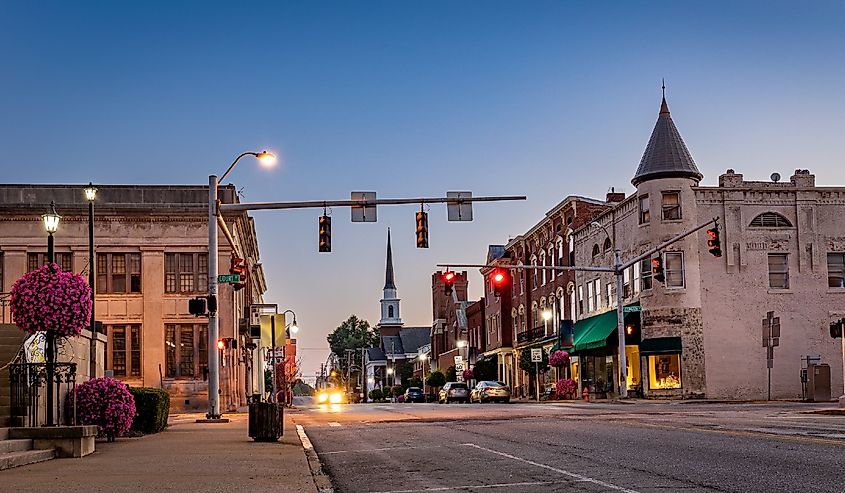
(454, 392)
(414, 394)
(490, 391)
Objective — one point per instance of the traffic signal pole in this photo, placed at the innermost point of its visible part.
(213, 321)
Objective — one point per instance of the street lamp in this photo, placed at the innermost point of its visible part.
(266, 159)
(620, 314)
(392, 378)
(51, 224)
(423, 357)
(90, 196)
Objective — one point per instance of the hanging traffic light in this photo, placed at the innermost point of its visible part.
(422, 229)
(325, 245)
(237, 266)
(221, 344)
(657, 269)
(197, 306)
(713, 244)
(836, 328)
(448, 278)
(500, 280)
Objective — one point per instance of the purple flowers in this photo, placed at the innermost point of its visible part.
(559, 358)
(566, 388)
(49, 299)
(467, 374)
(104, 402)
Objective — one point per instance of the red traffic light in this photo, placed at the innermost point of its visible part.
(448, 278)
(500, 278)
(714, 245)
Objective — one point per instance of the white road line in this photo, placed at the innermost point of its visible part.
(379, 449)
(573, 475)
(334, 424)
(306, 442)
(474, 487)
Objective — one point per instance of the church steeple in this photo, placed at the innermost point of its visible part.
(389, 283)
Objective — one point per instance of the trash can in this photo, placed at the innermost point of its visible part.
(818, 383)
(266, 421)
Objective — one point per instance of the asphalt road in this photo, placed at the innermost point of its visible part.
(578, 447)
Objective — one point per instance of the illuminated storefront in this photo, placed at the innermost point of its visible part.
(662, 359)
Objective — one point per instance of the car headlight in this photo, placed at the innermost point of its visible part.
(336, 398)
(322, 397)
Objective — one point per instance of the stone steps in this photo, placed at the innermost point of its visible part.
(19, 445)
(22, 458)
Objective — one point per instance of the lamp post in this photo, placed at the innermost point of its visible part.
(267, 159)
(423, 357)
(90, 195)
(51, 224)
(620, 314)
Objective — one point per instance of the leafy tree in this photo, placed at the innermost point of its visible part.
(353, 333)
(451, 374)
(531, 368)
(375, 394)
(397, 390)
(405, 371)
(485, 369)
(415, 382)
(435, 379)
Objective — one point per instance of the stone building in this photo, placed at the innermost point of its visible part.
(151, 257)
(698, 333)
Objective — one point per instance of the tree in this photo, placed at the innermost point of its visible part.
(531, 368)
(485, 369)
(415, 382)
(353, 333)
(436, 379)
(405, 371)
(397, 390)
(376, 395)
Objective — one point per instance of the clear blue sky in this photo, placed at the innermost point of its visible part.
(544, 99)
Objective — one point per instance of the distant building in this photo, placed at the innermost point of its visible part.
(151, 257)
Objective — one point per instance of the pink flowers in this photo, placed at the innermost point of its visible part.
(467, 374)
(104, 402)
(566, 388)
(559, 358)
(49, 299)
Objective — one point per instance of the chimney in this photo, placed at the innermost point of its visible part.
(614, 197)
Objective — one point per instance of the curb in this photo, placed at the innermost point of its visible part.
(321, 481)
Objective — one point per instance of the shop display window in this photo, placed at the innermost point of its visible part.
(664, 371)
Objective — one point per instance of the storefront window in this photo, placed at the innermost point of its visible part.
(664, 371)
(632, 353)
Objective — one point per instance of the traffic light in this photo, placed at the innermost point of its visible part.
(196, 306)
(448, 281)
(657, 269)
(836, 328)
(500, 278)
(221, 344)
(632, 335)
(325, 234)
(237, 267)
(713, 244)
(422, 229)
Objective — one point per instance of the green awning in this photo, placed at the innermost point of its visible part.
(660, 345)
(592, 333)
(559, 347)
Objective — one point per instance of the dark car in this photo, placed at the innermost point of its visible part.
(453, 392)
(490, 391)
(414, 394)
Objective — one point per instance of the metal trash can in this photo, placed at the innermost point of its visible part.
(818, 383)
(266, 421)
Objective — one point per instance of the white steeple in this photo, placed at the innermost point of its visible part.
(390, 299)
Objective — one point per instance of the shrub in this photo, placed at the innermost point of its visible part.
(376, 394)
(152, 406)
(397, 390)
(104, 402)
(566, 388)
(415, 382)
(451, 374)
(436, 379)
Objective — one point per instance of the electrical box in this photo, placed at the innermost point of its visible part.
(818, 383)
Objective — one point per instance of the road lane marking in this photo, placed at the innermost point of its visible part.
(579, 477)
(380, 449)
(475, 487)
(743, 433)
(334, 424)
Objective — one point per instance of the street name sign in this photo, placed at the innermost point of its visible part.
(536, 355)
(229, 278)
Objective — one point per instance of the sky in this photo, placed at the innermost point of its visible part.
(410, 99)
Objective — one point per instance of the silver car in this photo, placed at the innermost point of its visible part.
(452, 392)
(489, 391)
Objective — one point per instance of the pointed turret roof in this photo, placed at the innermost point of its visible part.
(388, 274)
(666, 154)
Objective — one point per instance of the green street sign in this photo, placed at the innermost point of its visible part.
(631, 309)
(229, 278)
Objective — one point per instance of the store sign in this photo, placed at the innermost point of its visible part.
(536, 355)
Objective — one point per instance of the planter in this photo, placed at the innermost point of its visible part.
(266, 421)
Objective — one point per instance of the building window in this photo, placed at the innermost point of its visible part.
(626, 283)
(186, 350)
(778, 271)
(597, 290)
(389, 312)
(543, 263)
(674, 269)
(571, 247)
(664, 371)
(36, 260)
(836, 270)
(645, 215)
(770, 220)
(560, 253)
(185, 273)
(610, 300)
(118, 273)
(671, 206)
(596, 250)
(124, 350)
(572, 313)
(590, 297)
(607, 245)
(635, 279)
(645, 274)
(581, 299)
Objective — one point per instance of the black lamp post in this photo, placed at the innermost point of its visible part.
(90, 195)
(51, 224)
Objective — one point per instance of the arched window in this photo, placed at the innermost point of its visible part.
(770, 220)
(596, 250)
(551, 260)
(560, 256)
(534, 272)
(543, 262)
(607, 244)
(389, 312)
(570, 239)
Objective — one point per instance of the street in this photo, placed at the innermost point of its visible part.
(628, 447)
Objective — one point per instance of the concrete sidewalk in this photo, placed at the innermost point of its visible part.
(186, 457)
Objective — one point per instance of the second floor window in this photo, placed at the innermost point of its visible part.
(671, 206)
(118, 273)
(124, 355)
(778, 271)
(36, 260)
(590, 297)
(185, 273)
(674, 269)
(645, 273)
(836, 270)
(645, 214)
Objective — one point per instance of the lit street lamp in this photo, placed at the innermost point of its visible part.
(423, 357)
(91, 195)
(51, 224)
(266, 159)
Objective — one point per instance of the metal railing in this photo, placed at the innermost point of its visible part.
(28, 382)
(531, 335)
